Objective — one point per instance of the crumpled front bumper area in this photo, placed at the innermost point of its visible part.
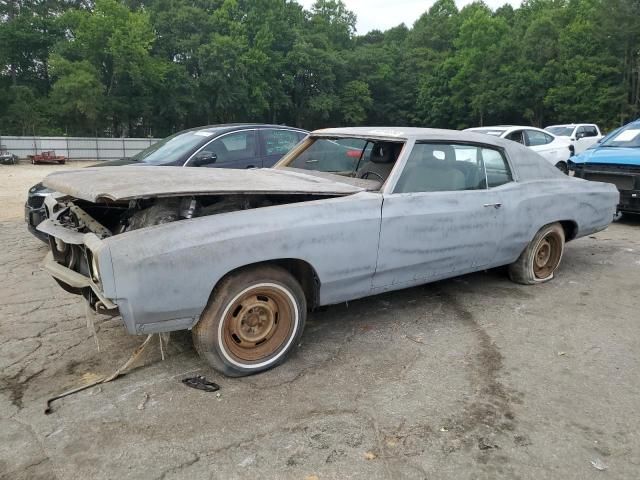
(78, 283)
(69, 262)
(625, 178)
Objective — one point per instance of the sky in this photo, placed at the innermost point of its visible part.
(384, 14)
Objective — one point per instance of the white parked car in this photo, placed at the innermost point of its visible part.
(556, 150)
(581, 135)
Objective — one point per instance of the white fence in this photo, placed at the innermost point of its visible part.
(77, 148)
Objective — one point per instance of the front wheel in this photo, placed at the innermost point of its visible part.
(538, 262)
(254, 319)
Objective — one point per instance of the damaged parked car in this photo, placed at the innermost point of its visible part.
(615, 159)
(240, 256)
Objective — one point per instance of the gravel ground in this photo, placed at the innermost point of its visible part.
(15, 181)
(473, 377)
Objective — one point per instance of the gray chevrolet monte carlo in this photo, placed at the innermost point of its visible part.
(239, 256)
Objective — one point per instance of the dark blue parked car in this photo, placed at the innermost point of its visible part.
(615, 159)
(222, 146)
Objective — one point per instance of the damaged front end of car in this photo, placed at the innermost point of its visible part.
(78, 232)
(78, 259)
(118, 234)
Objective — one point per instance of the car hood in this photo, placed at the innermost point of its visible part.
(117, 162)
(130, 182)
(610, 156)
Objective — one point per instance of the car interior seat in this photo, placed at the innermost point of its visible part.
(433, 170)
(381, 160)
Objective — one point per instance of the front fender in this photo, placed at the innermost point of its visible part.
(165, 274)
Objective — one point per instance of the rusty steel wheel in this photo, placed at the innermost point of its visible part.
(252, 321)
(547, 255)
(538, 262)
(258, 322)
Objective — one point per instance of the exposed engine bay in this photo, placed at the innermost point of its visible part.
(91, 205)
(106, 219)
(112, 218)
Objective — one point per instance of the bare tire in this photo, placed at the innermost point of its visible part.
(563, 167)
(538, 262)
(253, 320)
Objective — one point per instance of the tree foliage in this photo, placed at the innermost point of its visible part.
(152, 67)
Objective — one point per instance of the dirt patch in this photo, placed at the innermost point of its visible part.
(487, 420)
(13, 179)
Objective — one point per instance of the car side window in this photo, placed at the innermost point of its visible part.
(590, 131)
(538, 138)
(497, 168)
(233, 147)
(516, 136)
(441, 167)
(279, 142)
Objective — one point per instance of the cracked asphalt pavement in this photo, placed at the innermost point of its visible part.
(473, 377)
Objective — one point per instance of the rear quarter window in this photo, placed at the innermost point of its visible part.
(497, 168)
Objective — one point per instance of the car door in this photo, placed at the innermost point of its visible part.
(586, 136)
(440, 219)
(544, 144)
(233, 150)
(275, 142)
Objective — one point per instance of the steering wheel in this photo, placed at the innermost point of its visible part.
(369, 172)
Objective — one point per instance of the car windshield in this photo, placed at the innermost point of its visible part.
(496, 132)
(625, 137)
(340, 155)
(560, 131)
(171, 148)
(360, 158)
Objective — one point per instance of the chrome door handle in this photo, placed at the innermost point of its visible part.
(494, 205)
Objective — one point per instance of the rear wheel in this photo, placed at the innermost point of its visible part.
(538, 262)
(252, 322)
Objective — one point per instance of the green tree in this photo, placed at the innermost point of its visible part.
(77, 95)
(151, 67)
(24, 114)
(355, 100)
(478, 61)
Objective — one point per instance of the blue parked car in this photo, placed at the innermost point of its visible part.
(615, 159)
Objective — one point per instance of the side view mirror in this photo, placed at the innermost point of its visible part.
(580, 135)
(204, 158)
